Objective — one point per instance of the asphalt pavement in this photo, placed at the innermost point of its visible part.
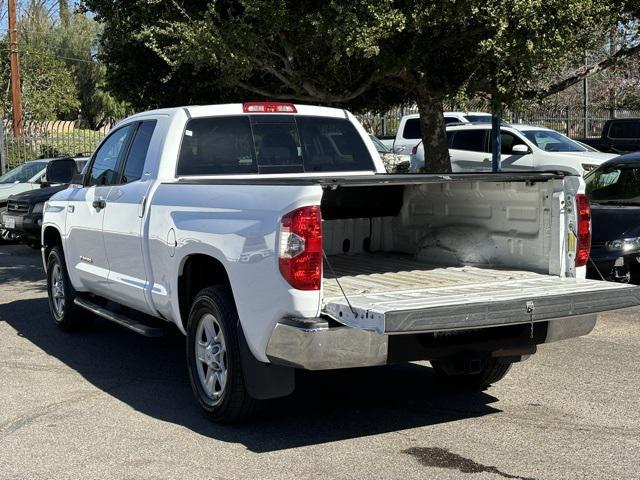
(105, 403)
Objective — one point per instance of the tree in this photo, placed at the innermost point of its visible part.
(77, 40)
(353, 53)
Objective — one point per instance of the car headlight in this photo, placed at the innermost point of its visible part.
(38, 207)
(624, 245)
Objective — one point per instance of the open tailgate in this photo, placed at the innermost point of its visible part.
(488, 304)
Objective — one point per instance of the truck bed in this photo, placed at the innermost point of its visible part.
(383, 273)
(393, 293)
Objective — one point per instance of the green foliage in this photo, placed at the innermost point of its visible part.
(77, 40)
(361, 53)
(61, 79)
(48, 90)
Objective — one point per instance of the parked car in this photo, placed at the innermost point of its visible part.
(619, 135)
(409, 133)
(22, 218)
(524, 147)
(23, 178)
(614, 192)
(272, 237)
(393, 162)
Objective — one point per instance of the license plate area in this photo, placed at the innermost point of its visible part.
(9, 222)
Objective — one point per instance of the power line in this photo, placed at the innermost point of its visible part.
(36, 52)
(42, 32)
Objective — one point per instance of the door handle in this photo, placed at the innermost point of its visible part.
(98, 204)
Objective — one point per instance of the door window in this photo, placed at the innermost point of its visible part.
(134, 164)
(104, 170)
(508, 141)
(470, 140)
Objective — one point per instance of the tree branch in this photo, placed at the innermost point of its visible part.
(315, 95)
(582, 73)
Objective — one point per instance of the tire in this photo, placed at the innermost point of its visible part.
(66, 314)
(213, 357)
(7, 237)
(491, 371)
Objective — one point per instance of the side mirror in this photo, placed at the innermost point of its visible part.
(520, 149)
(61, 171)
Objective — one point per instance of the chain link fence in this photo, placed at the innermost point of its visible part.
(46, 140)
(575, 122)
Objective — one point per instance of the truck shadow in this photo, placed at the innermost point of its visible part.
(150, 376)
(19, 263)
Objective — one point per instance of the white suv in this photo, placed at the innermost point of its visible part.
(524, 147)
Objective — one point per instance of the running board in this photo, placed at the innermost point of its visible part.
(126, 322)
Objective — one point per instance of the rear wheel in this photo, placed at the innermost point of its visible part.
(459, 373)
(213, 357)
(66, 314)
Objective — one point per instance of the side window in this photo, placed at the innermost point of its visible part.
(508, 141)
(470, 140)
(448, 120)
(138, 152)
(217, 145)
(412, 129)
(104, 170)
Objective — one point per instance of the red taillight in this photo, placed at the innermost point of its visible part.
(300, 248)
(414, 150)
(268, 107)
(584, 230)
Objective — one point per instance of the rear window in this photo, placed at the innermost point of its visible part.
(623, 129)
(271, 144)
(471, 140)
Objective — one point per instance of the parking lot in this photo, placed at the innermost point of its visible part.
(105, 403)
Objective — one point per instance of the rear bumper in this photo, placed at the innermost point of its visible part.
(313, 344)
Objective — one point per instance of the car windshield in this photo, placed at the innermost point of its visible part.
(478, 118)
(614, 185)
(380, 147)
(23, 173)
(551, 141)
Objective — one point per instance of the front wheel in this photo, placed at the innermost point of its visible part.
(213, 357)
(491, 370)
(66, 314)
(8, 236)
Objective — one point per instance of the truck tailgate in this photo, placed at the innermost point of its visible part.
(409, 297)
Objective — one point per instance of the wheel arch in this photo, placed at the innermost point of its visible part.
(197, 271)
(50, 238)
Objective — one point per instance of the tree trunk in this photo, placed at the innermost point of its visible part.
(434, 133)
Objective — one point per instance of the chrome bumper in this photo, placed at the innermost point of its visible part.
(311, 344)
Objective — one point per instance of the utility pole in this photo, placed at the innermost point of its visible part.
(16, 90)
(585, 99)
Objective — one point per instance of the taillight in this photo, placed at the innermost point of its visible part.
(414, 150)
(584, 230)
(268, 107)
(300, 250)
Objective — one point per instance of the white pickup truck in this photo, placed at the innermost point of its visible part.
(270, 236)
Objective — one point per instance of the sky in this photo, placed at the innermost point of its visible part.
(50, 5)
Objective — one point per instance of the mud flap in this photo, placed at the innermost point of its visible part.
(264, 380)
